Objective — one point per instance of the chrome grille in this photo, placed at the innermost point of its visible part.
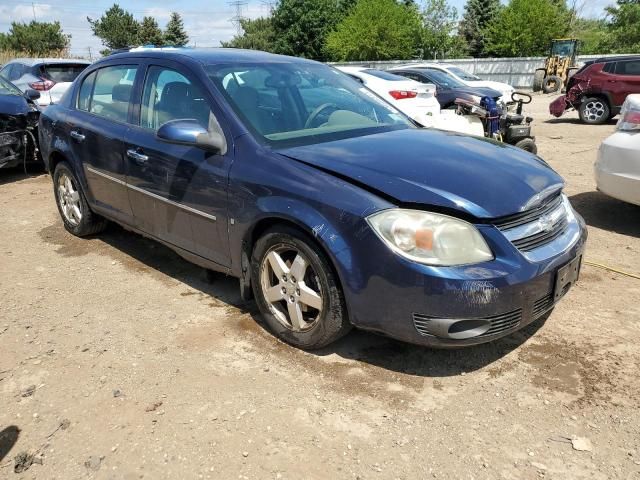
(515, 220)
(536, 227)
(536, 240)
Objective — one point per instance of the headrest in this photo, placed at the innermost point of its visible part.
(121, 93)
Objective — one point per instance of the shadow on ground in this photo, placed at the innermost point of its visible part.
(361, 346)
(10, 175)
(8, 438)
(607, 213)
(577, 121)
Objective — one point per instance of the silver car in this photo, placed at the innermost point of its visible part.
(50, 76)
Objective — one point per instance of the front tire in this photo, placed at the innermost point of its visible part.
(595, 111)
(74, 210)
(528, 145)
(296, 289)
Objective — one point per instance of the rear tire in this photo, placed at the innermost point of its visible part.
(528, 144)
(74, 209)
(594, 111)
(538, 79)
(314, 299)
(551, 84)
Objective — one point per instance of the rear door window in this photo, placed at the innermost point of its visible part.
(62, 72)
(112, 90)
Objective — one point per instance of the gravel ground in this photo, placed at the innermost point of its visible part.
(119, 360)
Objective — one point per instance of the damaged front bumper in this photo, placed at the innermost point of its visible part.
(465, 305)
(18, 138)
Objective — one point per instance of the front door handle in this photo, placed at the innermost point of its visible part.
(77, 136)
(137, 157)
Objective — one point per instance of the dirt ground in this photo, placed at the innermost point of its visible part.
(119, 360)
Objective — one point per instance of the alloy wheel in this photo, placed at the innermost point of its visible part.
(69, 199)
(291, 288)
(594, 111)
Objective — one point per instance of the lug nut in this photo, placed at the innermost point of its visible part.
(291, 299)
(284, 289)
(298, 291)
(293, 279)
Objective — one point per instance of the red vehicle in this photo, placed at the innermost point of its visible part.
(598, 90)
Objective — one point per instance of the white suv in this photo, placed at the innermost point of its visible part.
(50, 76)
(617, 169)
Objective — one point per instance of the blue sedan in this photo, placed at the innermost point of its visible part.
(331, 207)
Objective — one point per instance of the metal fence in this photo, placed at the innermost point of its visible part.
(514, 71)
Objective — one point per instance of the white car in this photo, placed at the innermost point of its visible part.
(617, 169)
(50, 76)
(416, 100)
(470, 79)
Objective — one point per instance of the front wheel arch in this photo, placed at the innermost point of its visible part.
(267, 223)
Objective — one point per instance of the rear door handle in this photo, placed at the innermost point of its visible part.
(77, 136)
(137, 157)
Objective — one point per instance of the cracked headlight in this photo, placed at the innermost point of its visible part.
(430, 238)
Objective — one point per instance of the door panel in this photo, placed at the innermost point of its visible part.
(177, 193)
(97, 129)
(627, 81)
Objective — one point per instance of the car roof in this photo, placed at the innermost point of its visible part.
(350, 69)
(209, 55)
(38, 61)
(619, 58)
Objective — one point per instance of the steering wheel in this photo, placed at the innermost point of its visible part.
(316, 113)
(520, 96)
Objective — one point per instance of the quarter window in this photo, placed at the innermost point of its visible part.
(169, 95)
(112, 92)
(84, 96)
(628, 68)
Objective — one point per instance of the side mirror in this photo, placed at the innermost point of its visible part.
(32, 94)
(191, 132)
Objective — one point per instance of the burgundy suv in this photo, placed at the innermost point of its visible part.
(599, 88)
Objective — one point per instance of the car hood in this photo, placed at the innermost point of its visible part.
(472, 175)
(13, 105)
(500, 87)
(478, 91)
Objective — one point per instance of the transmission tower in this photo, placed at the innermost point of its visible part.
(238, 5)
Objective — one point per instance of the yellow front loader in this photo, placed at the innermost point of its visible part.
(559, 66)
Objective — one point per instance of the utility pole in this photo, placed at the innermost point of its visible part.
(238, 5)
(33, 8)
(90, 56)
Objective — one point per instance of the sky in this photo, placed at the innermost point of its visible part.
(208, 22)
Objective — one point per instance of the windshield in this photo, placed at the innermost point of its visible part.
(384, 75)
(7, 88)
(62, 72)
(463, 75)
(443, 79)
(299, 103)
(563, 48)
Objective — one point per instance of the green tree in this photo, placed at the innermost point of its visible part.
(439, 35)
(175, 34)
(525, 28)
(376, 30)
(592, 34)
(257, 34)
(116, 28)
(301, 26)
(624, 27)
(35, 38)
(477, 15)
(149, 33)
